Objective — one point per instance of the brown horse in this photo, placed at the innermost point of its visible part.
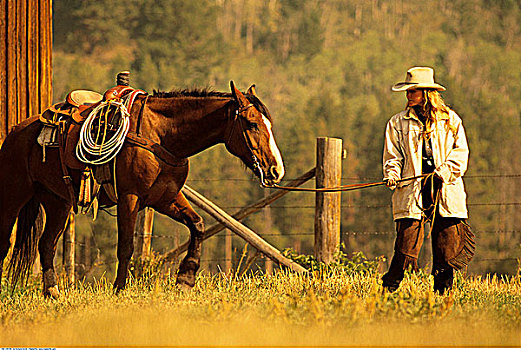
(177, 125)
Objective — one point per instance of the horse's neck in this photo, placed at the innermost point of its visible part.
(187, 126)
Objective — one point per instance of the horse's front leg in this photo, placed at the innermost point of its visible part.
(181, 211)
(128, 207)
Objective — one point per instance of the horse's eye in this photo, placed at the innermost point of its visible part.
(253, 126)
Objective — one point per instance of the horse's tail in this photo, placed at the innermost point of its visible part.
(28, 230)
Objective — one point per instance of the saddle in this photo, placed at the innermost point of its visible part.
(71, 114)
(62, 125)
(75, 103)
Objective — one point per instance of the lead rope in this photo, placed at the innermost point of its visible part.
(341, 188)
(434, 212)
(434, 205)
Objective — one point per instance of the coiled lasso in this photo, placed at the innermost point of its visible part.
(88, 150)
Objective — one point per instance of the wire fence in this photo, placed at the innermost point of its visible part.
(347, 233)
(352, 234)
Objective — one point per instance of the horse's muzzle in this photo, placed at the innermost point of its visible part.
(272, 176)
(273, 173)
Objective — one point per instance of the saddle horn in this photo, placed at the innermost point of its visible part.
(123, 78)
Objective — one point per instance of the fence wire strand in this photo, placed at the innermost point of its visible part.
(178, 238)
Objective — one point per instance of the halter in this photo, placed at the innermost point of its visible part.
(256, 164)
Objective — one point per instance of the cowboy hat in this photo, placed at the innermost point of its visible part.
(418, 78)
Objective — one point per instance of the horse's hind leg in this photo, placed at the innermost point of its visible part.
(9, 208)
(57, 212)
(181, 211)
(7, 220)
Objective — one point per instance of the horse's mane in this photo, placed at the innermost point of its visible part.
(196, 92)
(208, 92)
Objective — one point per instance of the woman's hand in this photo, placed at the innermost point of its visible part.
(391, 183)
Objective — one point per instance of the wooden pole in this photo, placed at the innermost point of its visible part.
(241, 230)
(241, 214)
(12, 66)
(327, 210)
(4, 48)
(268, 266)
(21, 61)
(86, 253)
(69, 244)
(84, 258)
(26, 60)
(228, 251)
(268, 227)
(33, 105)
(45, 57)
(143, 231)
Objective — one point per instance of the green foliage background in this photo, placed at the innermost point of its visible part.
(323, 68)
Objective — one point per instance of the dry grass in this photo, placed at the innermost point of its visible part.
(285, 309)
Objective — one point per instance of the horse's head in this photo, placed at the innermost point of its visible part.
(251, 138)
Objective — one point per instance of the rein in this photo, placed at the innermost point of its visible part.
(341, 188)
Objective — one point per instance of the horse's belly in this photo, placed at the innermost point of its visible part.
(140, 172)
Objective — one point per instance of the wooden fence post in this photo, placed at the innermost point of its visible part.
(268, 228)
(143, 231)
(69, 244)
(327, 210)
(87, 262)
(228, 251)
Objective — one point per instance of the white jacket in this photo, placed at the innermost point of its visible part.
(402, 157)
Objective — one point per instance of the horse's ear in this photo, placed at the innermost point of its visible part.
(251, 90)
(238, 96)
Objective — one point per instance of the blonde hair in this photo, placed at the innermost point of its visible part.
(433, 103)
(433, 106)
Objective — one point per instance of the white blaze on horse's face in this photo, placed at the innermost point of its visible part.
(274, 151)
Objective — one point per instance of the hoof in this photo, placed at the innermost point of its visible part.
(119, 285)
(118, 289)
(185, 281)
(187, 270)
(183, 287)
(52, 292)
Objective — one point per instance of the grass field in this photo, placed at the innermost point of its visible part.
(332, 308)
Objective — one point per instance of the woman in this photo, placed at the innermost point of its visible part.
(427, 138)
